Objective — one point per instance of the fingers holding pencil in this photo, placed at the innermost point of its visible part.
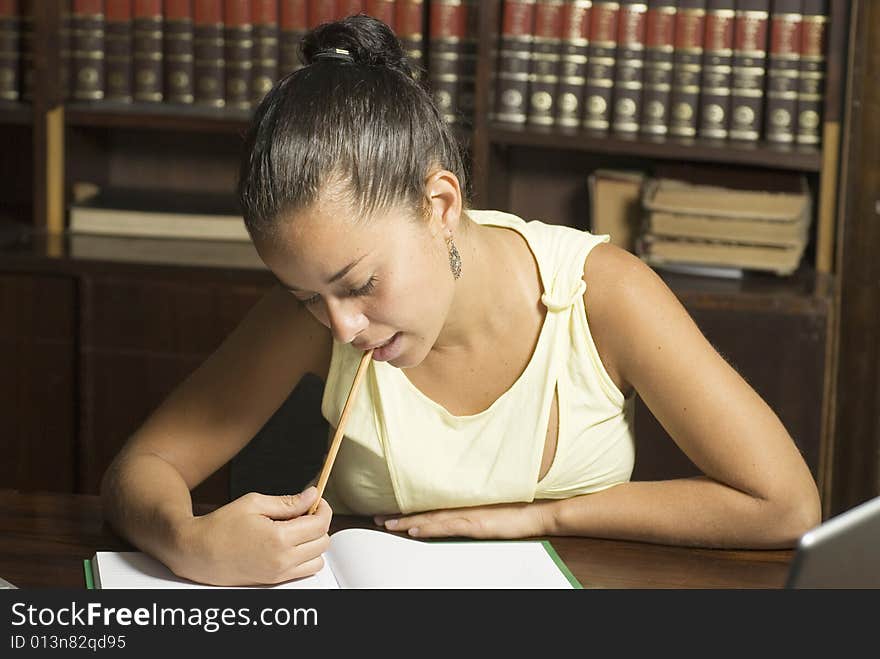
(340, 428)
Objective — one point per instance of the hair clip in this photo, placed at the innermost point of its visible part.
(334, 53)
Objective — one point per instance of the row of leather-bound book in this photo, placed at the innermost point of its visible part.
(720, 69)
(224, 53)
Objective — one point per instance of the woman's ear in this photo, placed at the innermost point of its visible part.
(444, 201)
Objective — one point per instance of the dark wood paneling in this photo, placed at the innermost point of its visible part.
(781, 355)
(16, 163)
(140, 338)
(37, 411)
(857, 465)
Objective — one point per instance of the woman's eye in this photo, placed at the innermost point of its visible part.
(309, 301)
(366, 289)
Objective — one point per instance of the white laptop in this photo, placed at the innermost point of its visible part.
(843, 552)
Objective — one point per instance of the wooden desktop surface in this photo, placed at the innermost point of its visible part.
(45, 537)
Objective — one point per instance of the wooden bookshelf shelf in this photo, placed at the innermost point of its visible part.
(805, 291)
(801, 159)
(16, 113)
(157, 116)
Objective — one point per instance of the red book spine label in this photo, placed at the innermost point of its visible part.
(294, 15)
(719, 33)
(447, 21)
(349, 8)
(631, 27)
(88, 7)
(208, 12)
(237, 13)
(148, 8)
(548, 20)
(383, 10)
(408, 19)
(603, 24)
(815, 29)
(785, 35)
(576, 22)
(118, 11)
(690, 29)
(518, 19)
(660, 28)
(751, 33)
(265, 12)
(178, 10)
(321, 11)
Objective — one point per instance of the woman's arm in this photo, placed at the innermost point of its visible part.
(200, 427)
(757, 490)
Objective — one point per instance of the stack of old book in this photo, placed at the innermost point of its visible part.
(689, 226)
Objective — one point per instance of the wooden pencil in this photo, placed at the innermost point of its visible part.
(340, 428)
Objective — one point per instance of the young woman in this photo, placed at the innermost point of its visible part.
(507, 355)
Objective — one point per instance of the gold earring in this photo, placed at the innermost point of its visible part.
(454, 258)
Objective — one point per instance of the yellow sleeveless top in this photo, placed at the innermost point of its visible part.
(405, 453)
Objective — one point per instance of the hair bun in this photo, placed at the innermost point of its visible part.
(367, 40)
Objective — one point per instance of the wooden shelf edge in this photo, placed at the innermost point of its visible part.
(803, 159)
(16, 114)
(806, 291)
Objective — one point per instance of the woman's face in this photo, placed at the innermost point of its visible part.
(382, 283)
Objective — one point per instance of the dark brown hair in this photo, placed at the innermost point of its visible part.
(361, 121)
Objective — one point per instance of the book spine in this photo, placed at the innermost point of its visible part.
(65, 18)
(238, 35)
(544, 70)
(345, 8)
(601, 54)
(382, 10)
(783, 71)
(572, 64)
(117, 47)
(88, 49)
(26, 50)
(147, 51)
(467, 74)
(659, 47)
(687, 64)
(9, 50)
(321, 11)
(265, 73)
(446, 34)
(717, 73)
(209, 65)
(811, 81)
(514, 63)
(409, 20)
(294, 19)
(749, 69)
(629, 71)
(178, 54)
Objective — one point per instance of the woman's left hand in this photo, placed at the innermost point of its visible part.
(503, 520)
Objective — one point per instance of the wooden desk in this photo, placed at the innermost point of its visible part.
(45, 537)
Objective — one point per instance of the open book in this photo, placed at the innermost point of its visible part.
(364, 558)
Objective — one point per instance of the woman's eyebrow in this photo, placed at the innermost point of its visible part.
(339, 275)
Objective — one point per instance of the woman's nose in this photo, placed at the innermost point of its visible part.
(345, 319)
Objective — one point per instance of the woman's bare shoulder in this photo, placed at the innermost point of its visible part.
(620, 292)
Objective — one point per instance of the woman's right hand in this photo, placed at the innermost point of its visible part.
(256, 540)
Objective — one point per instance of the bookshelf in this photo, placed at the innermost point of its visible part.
(535, 174)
